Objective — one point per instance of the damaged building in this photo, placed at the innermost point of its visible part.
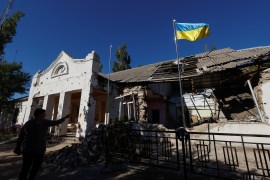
(215, 86)
(221, 85)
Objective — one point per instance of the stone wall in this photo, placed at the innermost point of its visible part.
(140, 93)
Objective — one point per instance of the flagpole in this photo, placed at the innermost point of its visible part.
(108, 90)
(179, 74)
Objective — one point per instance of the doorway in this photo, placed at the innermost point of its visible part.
(155, 116)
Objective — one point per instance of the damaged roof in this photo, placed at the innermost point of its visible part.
(138, 74)
(231, 58)
(196, 65)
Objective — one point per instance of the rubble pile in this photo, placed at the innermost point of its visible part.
(94, 140)
(85, 154)
(91, 150)
(157, 127)
(69, 157)
(154, 127)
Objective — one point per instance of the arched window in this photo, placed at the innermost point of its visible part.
(59, 70)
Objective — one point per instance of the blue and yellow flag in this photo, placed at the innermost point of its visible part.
(192, 31)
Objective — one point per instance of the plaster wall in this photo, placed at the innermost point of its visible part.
(235, 128)
(22, 111)
(200, 107)
(266, 101)
(64, 76)
(114, 103)
(201, 104)
(77, 73)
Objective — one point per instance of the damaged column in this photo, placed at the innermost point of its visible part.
(142, 106)
(88, 103)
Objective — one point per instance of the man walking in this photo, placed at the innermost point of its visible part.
(33, 139)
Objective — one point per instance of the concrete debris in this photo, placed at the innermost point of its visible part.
(69, 157)
(90, 151)
(85, 154)
(154, 136)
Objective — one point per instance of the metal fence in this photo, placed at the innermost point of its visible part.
(239, 156)
(234, 156)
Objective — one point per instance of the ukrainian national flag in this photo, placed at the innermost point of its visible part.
(192, 32)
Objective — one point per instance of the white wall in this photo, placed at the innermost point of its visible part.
(77, 75)
(114, 103)
(22, 105)
(266, 100)
(201, 105)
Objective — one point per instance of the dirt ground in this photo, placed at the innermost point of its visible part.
(10, 165)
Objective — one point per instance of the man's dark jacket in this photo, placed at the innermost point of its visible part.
(33, 135)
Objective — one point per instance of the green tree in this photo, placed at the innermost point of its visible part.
(8, 31)
(12, 78)
(123, 59)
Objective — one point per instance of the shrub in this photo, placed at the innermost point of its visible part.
(9, 132)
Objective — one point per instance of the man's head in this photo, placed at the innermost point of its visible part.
(39, 113)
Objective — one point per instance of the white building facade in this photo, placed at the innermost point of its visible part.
(65, 87)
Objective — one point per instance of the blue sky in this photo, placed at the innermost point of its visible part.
(146, 26)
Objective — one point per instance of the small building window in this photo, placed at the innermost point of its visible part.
(60, 69)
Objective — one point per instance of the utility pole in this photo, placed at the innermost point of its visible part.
(5, 15)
